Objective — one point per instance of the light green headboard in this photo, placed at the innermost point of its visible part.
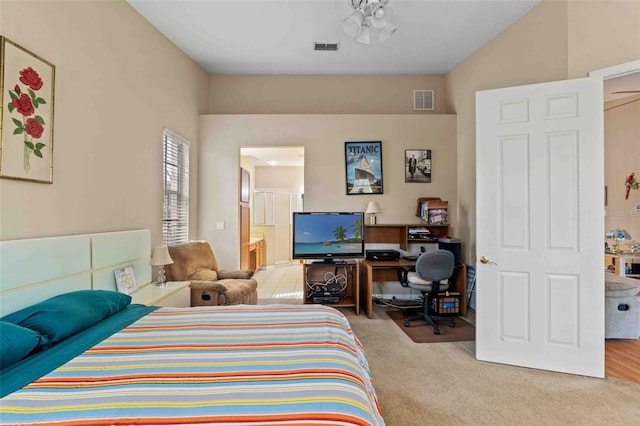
(112, 250)
(33, 270)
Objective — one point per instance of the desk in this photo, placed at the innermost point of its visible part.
(388, 271)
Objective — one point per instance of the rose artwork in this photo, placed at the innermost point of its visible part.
(23, 105)
(25, 101)
(33, 128)
(31, 78)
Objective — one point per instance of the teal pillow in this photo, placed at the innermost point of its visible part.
(16, 343)
(67, 314)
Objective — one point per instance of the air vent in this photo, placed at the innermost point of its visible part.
(325, 47)
(423, 100)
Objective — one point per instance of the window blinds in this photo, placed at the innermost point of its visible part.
(175, 168)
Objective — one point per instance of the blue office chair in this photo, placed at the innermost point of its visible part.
(432, 274)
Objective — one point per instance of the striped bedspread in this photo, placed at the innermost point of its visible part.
(257, 365)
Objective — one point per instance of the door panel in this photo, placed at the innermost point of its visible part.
(540, 184)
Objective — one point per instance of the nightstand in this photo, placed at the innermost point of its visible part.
(175, 294)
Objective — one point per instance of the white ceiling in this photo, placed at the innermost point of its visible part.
(277, 36)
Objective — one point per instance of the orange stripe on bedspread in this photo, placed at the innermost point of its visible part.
(307, 419)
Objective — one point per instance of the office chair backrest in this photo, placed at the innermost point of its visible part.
(436, 265)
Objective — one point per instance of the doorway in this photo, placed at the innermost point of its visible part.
(621, 92)
(515, 110)
(277, 189)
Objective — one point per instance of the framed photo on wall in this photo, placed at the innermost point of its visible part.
(363, 167)
(26, 139)
(245, 187)
(417, 165)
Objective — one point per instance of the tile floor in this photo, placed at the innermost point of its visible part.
(280, 284)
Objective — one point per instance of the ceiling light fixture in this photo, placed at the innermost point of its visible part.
(369, 14)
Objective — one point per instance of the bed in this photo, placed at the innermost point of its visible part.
(135, 364)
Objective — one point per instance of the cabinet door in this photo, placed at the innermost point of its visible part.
(245, 223)
(263, 206)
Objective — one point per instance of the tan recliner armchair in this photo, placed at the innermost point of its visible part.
(194, 261)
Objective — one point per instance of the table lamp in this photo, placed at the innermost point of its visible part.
(617, 235)
(160, 258)
(372, 209)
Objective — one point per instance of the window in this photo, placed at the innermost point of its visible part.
(175, 169)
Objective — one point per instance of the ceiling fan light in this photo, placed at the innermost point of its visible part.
(363, 37)
(352, 24)
(378, 20)
(387, 31)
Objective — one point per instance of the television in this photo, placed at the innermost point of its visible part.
(328, 236)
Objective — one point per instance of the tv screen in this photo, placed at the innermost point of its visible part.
(328, 236)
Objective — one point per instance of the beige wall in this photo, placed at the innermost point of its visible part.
(548, 43)
(283, 178)
(622, 156)
(322, 94)
(601, 33)
(322, 137)
(118, 83)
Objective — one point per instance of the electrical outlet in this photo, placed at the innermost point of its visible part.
(219, 225)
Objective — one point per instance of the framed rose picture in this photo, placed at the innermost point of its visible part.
(26, 139)
(363, 164)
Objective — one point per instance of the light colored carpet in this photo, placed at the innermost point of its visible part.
(443, 384)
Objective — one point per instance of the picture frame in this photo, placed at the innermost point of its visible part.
(27, 99)
(245, 187)
(363, 167)
(417, 165)
(126, 279)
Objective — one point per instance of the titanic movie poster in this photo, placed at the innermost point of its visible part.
(363, 162)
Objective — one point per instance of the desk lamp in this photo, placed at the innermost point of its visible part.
(160, 258)
(617, 235)
(372, 209)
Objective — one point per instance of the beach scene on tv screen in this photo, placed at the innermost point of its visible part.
(333, 233)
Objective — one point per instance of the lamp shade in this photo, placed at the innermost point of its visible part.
(352, 24)
(363, 37)
(618, 234)
(372, 208)
(387, 31)
(161, 256)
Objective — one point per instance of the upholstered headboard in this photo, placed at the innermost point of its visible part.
(32, 270)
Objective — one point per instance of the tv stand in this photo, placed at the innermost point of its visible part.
(320, 273)
(330, 262)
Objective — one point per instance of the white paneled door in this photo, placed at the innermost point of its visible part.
(540, 216)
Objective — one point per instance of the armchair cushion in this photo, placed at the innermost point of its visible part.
(189, 258)
(240, 274)
(204, 275)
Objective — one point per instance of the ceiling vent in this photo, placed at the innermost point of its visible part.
(325, 47)
(423, 100)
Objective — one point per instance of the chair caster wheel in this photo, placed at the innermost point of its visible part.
(406, 323)
(436, 331)
(452, 323)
